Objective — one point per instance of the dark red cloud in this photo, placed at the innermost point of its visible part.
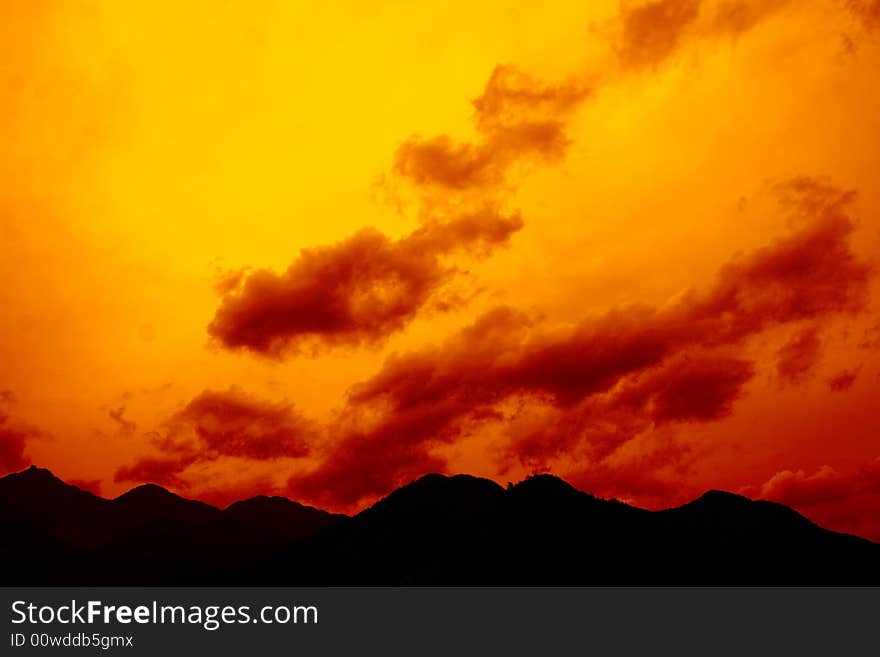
(797, 357)
(355, 292)
(800, 489)
(516, 117)
(688, 389)
(223, 423)
(654, 478)
(368, 464)
(605, 379)
(368, 286)
(842, 381)
(846, 501)
(232, 423)
(809, 274)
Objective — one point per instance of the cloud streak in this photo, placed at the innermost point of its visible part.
(367, 287)
(797, 357)
(222, 423)
(517, 119)
(605, 379)
(653, 32)
(356, 292)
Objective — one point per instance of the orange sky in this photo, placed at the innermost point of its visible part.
(320, 250)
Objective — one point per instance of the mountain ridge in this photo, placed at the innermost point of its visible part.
(437, 529)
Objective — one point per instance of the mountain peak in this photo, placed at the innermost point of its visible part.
(35, 477)
(716, 497)
(717, 501)
(271, 503)
(261, 501)
(276, 517)
(545, 484)
(437, 481)
(441, 493)
(147, 491)
(153, 498)
(36, 473)
(718, 508)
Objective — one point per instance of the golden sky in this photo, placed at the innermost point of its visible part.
(319, 250)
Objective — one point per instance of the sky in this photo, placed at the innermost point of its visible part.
(321, 250)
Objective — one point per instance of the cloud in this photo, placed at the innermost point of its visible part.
(691, 387)
(797, 357)
(359, 291)
(653, 478)
(223, 423)
(808, 274)
(603, 380)
(653, 32)
(520, 118)
(513, 98)
(366, 465)
(688, 389)
(846, 501)
(842, 381)
(735, 17)
(443, 162)
(118, 416)
(356, 292)
(516, 118)
(232, 423)
(798, 488)
(367, 287)
(163, 471)
(14, 437)
(867, 11)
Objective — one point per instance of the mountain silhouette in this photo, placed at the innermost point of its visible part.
(436, 530)
(58, 534)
